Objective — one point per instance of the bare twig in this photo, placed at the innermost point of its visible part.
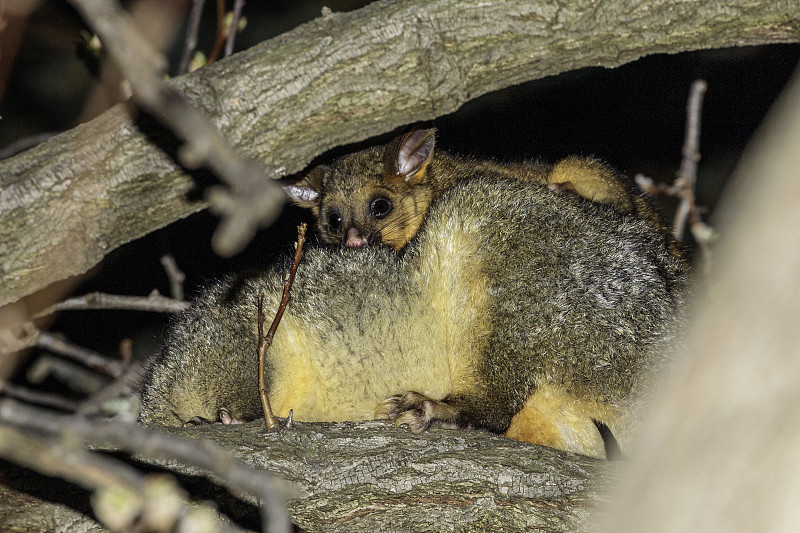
(126, 351)
(270, 420)
(685, 180)
(219, 42)
(124, 499)
(233, 29)
(287, 286)
(78, 378)
(87, 357)
(264, 342)
(192, 30)
(175, 275)
(10, 342)
(687, 174)
(45, 399)
(239, 477)
(154, 303)
(254, 199)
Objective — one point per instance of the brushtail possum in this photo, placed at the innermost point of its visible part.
(382, 194)
(514, 308)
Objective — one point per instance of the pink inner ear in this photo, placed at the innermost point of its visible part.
(414, 152)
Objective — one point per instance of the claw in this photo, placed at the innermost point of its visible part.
(224, 417)
(387, 406)
(416, 421)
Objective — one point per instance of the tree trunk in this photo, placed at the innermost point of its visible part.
(341, 78)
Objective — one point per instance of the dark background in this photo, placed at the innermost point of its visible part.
(632, 117)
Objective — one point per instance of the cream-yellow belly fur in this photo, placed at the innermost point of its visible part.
(431, 346)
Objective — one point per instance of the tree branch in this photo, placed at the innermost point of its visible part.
(338, 79)
(252, 199)
(370, 476)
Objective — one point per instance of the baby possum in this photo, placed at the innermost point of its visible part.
(382, 194)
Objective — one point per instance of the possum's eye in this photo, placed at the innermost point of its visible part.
(380, 207)
(334, 220)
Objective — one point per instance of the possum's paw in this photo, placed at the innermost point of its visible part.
(418, 412)
(223, 417)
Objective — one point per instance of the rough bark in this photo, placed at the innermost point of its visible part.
(373, 477)
(341, 78)
(21, 512)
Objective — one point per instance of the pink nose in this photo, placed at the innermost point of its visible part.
(354, 239)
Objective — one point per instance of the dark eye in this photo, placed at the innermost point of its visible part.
(334, 220)
(380, 207)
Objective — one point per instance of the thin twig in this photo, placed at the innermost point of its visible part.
(77, 377)
(126, 351)
(219, 42)
(687, 178)
(45, 399)
(238, 476)
(264, 342)
(683, 187)
(89, 358)
(233, 29)
(124, 499)
(687, 174)
(254, 199)
(154, 303)
(192, 30)
(270, 420)
(287, 286)
(175, 275)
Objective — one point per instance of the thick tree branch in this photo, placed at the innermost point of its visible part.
(252, 199)
(371, 476)
(338, 79)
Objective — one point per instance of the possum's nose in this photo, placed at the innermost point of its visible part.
(355, 239)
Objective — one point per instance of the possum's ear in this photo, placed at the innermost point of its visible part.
(305, 192)
(412, 155)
